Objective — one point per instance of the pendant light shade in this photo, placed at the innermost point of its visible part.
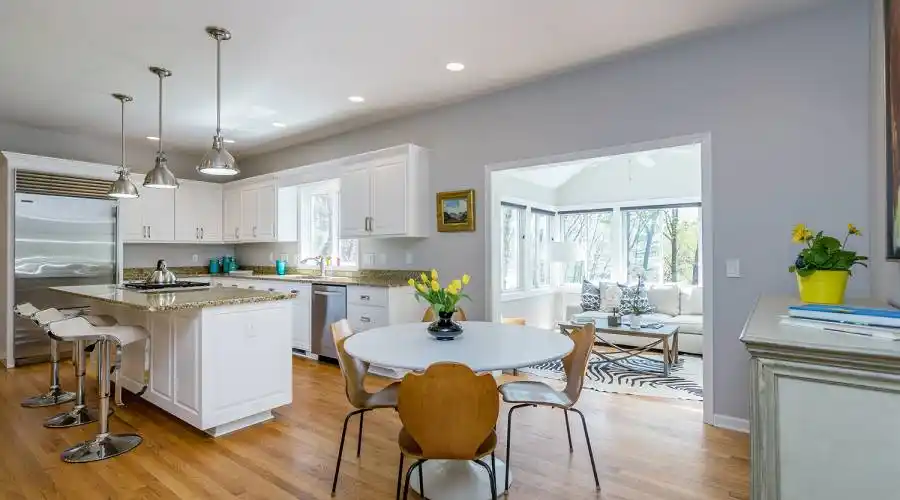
(218, 161)
(160, 177)
(123, 187)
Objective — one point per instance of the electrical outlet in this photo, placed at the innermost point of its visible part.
(369, 259)
(195, 258)
(409, 258)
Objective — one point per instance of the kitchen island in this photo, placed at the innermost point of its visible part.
(218, 358)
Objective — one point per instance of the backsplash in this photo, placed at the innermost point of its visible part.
(388, 277)
(376, 253)
(176, 255)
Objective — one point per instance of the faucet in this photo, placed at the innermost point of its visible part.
(319, 260)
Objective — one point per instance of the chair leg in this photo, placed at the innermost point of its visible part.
(508, 438)
(399, 475)
(568, 430)
(492, 478)
(359, 438)
(421, 481)
(408, 475)
(337, 467)
(587, 438)
(494, 462)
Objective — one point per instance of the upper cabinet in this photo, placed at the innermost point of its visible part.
(386, 195)
(198, 212)
(149, 218)
(260, 212)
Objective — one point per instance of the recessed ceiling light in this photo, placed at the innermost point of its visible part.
(356, 98)
(455, 66)
(229, 141)
(278, 124)
(152, 138)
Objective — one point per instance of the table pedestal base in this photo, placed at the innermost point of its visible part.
(459, 479)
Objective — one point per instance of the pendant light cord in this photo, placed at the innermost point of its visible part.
(122, 102)
(160, 149)
(218, 86)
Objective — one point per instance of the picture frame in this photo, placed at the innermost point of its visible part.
(892, 101)
(455, 211)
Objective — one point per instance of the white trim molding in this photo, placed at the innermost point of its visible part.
(731, 423)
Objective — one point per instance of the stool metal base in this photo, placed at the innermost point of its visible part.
(53, 397)
(101, 447)
(72, 418)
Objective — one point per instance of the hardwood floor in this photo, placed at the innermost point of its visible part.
(645, 449)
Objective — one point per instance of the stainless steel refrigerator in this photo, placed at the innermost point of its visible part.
(59, 241)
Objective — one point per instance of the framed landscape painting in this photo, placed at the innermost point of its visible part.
(892, 80)
(456, 211)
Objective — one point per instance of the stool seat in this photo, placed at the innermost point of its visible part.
(123, 334)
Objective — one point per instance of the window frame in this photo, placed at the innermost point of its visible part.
(521, 248)
(305, 192)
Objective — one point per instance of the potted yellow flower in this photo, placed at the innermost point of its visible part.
(443, 301)
(823, 266)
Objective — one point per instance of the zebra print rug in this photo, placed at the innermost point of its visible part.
(685, 380)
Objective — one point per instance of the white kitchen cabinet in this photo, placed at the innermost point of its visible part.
(386, 196)
(355, 191)
(260, 212)
(231, 214)
(198, 212)
(302, 332)
(376, 306)
(150, 217)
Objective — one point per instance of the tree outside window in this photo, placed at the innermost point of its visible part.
(593, 231)
(319, 206)
(511, 229)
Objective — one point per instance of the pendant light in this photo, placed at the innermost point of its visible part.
(218, 161)
(123, 187)
(160, 177)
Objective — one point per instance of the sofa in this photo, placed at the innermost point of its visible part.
(673, 303)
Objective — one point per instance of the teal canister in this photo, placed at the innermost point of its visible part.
(214, 266)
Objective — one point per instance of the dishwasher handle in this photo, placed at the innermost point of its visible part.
(330, 294)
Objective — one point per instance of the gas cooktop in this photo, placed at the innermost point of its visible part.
(165, 286)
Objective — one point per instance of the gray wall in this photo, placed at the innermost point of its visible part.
(140, 155)
(786, 103)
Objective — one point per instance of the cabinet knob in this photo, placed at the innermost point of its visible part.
(365, 319)
(365, 297)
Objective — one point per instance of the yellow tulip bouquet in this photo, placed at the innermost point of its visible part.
(442, 300)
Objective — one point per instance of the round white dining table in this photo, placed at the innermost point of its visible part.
(483, 347)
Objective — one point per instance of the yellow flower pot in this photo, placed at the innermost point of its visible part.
(823, 287)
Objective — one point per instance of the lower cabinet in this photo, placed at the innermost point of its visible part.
(375, 307)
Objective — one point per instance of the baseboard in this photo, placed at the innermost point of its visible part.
(731, 423)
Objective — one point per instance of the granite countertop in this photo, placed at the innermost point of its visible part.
(365, 277)
(173, 300)
(305, 278)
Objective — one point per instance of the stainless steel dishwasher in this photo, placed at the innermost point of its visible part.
(329, 305)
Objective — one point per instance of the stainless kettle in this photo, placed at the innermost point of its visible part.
(162, 275)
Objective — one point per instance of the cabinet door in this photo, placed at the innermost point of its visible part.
(131, 221)
(302, 334)
(355, 191)
(266, 212)
(231, 214)
(389, 197)
(158, 208)
(187, 204)
(209, 212)
(249, 213)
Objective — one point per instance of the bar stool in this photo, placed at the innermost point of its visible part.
(55, 395)
(104, 445)
(80, 414)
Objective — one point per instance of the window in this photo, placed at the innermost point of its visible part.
(663, 243)
(319, 225)
(540, 232)
(593, 231)
(511, 225)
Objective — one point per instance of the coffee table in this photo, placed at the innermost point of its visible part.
(665, 336)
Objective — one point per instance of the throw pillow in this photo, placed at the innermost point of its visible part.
(692, 300)
(664, 298)
(591, 296)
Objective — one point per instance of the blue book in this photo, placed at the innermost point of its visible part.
(868, 316)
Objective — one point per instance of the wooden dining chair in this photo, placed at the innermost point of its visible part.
(448, 413)
(428, 317)
(354, 372)
(517, 322)
(534, 393)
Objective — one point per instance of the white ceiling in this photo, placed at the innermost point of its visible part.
(555, 175)
(297, 61)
